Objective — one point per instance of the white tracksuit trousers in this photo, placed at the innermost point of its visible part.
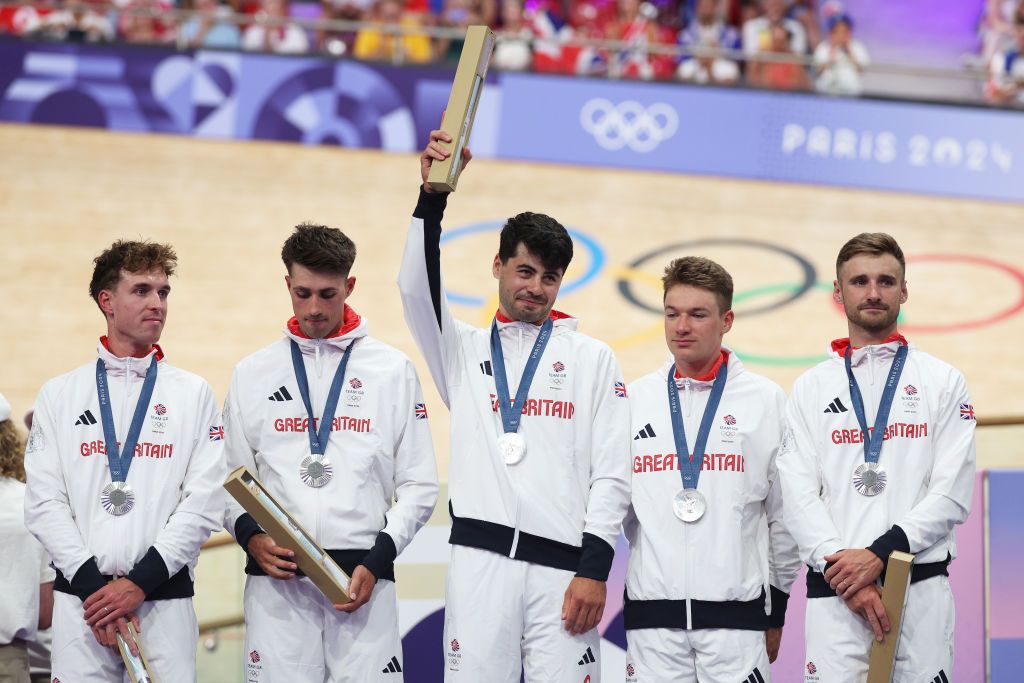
(504, 616)
(168, 631)
(294, 635)
(670, 655)
(839, 641)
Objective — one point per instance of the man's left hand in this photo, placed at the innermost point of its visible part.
(119, 598)
(583, 604)
(772, 642)
(852, 570)
(359, 589)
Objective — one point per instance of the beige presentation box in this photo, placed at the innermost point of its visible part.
(315, 563)
(894, 599)
(138, 667)
(458, 118)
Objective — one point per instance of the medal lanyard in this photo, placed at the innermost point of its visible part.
(689, 471)
(318, 438)
(873, 440)
(512, 415)
(120, 461)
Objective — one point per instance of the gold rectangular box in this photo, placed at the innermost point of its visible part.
(462, 102)
(882, 659)
(138, 667)
(314, 562)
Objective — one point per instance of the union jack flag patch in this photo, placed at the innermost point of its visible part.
(967, 412)
(421, 411)
(620, 389)
(217, 433)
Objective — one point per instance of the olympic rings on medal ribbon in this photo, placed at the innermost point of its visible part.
(615, 126)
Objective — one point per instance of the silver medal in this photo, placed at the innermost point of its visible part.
(869, 479)
(117, 498)
(316, 471)
(512, 447)
(689, 505)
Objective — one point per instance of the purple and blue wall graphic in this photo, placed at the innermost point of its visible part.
(1005, 588)
(935, 149)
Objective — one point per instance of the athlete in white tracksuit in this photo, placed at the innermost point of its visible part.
(701, 593)
(124, 529)
(380, 450)
(928, 457)
(176, 475)
(529, 538)
(697, 594)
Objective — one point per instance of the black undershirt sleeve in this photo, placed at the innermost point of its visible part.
(430, 209)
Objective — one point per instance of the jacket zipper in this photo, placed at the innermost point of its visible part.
(313, 402)
(687, 564)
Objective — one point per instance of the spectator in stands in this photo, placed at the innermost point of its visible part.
(272, 32)
(76, 22)
(707, 31)
(25, 19)
(805, 13)
(996, 30)
(377, 43)
(513, 53)
(459, 15)
(637, 27)
(840, 60)
(209, 27)
(1006, 82)
(339, 42)
(780, 73)
(146, 22)
(759, 33)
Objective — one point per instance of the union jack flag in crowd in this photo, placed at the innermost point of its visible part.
(421, 411)
(967, 412)
(217, 433)
(620, 389)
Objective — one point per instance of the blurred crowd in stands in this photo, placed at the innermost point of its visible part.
(777, 44)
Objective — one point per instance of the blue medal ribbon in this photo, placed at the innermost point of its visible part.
(512, 415)
(689, 471)
(120, 460)
(873, 440)
(318, 438)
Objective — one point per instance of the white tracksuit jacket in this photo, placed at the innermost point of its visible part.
(176, 474)
(563, 504)
(928, 455)
(379, 447)
(715, 572)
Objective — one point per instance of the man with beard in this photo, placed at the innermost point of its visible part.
(539, 478)
(855, 490)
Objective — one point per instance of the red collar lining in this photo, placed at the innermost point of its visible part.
(350, 322)
(712, 373)
(159, 351)
(840, 345)
(553, 315)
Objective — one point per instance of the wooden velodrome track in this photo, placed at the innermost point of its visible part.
(227, 207)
